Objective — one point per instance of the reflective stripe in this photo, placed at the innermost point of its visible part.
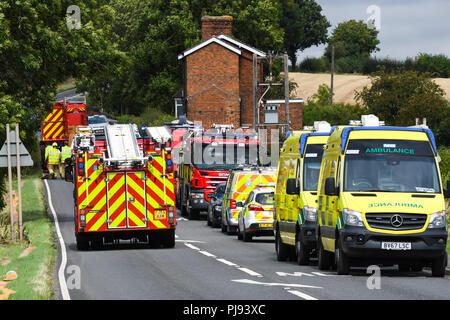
(53, 156)
(66, 152)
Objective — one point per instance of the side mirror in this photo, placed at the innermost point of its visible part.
(330, 187)
(291, 187)
(447, 191)
(239, 204)
(68, 174)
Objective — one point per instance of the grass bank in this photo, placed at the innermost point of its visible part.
(33, 259)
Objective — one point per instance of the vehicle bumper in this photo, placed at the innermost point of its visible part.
(308, 234)
(198, 204)
(360, 243)
(255, 229)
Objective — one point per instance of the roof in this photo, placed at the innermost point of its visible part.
(207, 42)
(226, 42)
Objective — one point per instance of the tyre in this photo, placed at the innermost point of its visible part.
(208, 220)
(230, 230)
(324, 257)
(168, 240)
(438, 266)
(239, 233)
(246, 236)
(302, 253)
(281, 249)
(342, 262)
(82, 243)
(224, 228)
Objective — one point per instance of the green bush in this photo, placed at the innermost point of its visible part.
(149, 118)
(444, 164)
(314, 65)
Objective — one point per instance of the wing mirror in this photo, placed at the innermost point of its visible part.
(291, 187)
(330, 186)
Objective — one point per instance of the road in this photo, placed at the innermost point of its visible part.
(209, 265)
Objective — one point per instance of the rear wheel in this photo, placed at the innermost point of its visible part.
(281, 249)
(168, 240)
(239, 233)
(82, 243)
(246, 236)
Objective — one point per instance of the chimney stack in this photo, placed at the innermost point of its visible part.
(215, 25)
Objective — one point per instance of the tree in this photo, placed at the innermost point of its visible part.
(304, 26)
(400, 98)
(353, 39)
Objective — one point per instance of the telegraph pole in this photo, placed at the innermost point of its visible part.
(332, 75)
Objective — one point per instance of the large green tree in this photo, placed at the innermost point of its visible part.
(304, 26)
(353, 39)
(400, 98)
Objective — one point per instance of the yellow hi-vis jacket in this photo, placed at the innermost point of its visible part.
(47, 151)
(53, 156)
(66, 152)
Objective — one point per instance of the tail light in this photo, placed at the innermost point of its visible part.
(83, 218)
(233, 204)
(253, 207)
(171, 215)
(80, 166)
(169, 163)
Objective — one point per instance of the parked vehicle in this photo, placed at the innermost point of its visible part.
(214, 218)
(239, 185)
(256, 217)
(381, 199)
(296, 193)
(121, 191)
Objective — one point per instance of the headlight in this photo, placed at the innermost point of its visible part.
(437, 220)
(353, 218)
(198, 195)
(310, 213)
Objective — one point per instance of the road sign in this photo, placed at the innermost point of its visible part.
(25, 157)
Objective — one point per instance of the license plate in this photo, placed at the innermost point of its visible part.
(396, 245)
(265, 225)
(160, 214)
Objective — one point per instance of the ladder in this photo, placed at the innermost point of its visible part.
(122, 144)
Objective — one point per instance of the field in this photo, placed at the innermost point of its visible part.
(344, 85)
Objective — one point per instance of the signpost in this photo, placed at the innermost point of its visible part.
(14, 154)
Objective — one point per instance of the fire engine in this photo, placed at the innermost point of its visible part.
(59, 125)
(123, 188)
(206, 159)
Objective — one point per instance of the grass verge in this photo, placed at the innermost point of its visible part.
(34, 270)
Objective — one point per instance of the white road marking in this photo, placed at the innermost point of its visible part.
(323, 274)
(302, 295)
(188, 241)
(295, 274)
(206, 253)
(62, 267)
(229, 263)
(272, 284)
(191, 246)
(250, 272)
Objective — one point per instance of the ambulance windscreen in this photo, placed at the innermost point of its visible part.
(311, 166)
(390, 166)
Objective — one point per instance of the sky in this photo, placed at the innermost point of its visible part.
(406, 27)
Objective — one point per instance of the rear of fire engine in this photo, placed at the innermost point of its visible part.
(123, 188)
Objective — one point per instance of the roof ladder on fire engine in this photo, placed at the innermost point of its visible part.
(122, 145)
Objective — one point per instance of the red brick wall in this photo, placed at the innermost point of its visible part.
(213, 26)
(210, 65)
(214, 105)
(246, 86)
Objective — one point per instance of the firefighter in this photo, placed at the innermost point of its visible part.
(66, 152)
(53, 158)
(47, 150)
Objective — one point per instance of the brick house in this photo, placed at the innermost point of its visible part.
(218, 81)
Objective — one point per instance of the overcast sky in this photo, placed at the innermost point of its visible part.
(407, 27)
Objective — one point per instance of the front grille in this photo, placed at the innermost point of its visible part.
(410, 221)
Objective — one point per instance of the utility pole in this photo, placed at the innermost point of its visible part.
(332, 75)
(19, 187)
(255, 91)
(286, 90)
(11, 209)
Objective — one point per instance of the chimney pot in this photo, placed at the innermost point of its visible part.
(215, 25)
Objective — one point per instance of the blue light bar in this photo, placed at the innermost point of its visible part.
(304, 138)
(346, 132)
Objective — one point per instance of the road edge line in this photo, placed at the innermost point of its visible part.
(62, 281)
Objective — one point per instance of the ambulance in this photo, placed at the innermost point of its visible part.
(296, 192)
(239, 185)
(380, 199)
